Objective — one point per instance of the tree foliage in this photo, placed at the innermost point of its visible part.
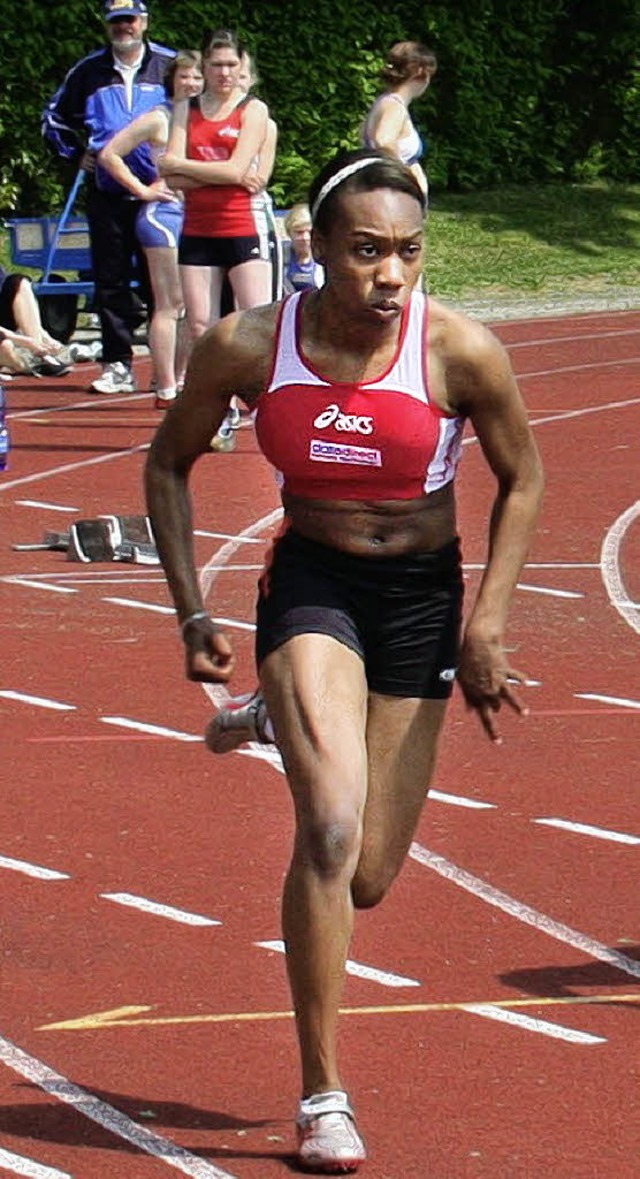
(526, 91)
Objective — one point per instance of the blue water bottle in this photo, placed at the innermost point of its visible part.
(5, 443)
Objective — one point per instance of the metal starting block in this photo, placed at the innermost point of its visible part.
(105, 538)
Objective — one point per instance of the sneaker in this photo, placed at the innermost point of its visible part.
(243, 719)
(164, 398)
(81, 352)
(52, 366)
(233, 418)
(328, 1141)
(223, 441)
(116, 378)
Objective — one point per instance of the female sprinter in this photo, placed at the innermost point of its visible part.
(361, 391)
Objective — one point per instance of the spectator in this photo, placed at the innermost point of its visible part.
(406, 75)
(303, 272)
(101, 94)
(25, 347)
(159, 220)
(214, 141)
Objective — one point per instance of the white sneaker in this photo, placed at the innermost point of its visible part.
(224, 440)
(116, 378)
(243, 719)
(79, 351)
(328, 1141)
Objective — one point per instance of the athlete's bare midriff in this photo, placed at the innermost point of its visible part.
(389, 528)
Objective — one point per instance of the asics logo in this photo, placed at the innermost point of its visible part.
(350, 423)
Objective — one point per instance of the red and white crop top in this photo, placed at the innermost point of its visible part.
(382, 440)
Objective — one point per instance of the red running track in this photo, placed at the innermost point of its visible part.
(492, 1000)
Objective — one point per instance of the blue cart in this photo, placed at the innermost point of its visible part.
(54, 245)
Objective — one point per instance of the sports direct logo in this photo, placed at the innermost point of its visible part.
(333, 452)
(349, 422)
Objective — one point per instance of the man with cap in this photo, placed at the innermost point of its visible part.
(102, 93)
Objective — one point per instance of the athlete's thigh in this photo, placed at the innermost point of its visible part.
(316, 694)
(402, 740)
(196, 281)
(165, 279)
(251, 283)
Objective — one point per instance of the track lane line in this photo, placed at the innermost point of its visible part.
(96, 1110)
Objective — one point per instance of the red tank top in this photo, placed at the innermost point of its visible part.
(382, 440)
(219, 210)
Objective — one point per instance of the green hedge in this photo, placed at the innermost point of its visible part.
(527, 90)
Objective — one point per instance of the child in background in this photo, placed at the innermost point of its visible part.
(302, 272)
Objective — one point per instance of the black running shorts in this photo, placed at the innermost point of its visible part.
(225, 252)
(401, 615)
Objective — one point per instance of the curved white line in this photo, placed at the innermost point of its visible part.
(610, 567)
(218, 693)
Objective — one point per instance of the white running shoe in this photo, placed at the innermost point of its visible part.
(233, 418)
(245, 718)
(79, 351)
(225, 439)
(328, 1141)
(116, 378)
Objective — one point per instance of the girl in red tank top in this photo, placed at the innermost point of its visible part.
(214, 141)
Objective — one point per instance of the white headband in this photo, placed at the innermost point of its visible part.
(337, 179)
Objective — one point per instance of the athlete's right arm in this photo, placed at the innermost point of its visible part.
(232, 356)
(151, 127)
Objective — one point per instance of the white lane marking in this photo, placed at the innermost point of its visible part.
(140, 605)
(34, 870)
(227, 536)
(623, 701)
(525, 913)
(90, 1106)
(36, 503)
(480, 566)
(75, 405)
(553, 593)
(384, 977)
(586, 412)
(579, 339)
(610, 567)
(529, 1024)
(68, 467)
(38, 701)
(19, 1165)
(460, 800)
(42, 585)
(588, 829)
(217, 693)
(234, 623)
(579, 368)
(158, 909)
(126, 722)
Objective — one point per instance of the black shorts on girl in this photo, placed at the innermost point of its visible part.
(225, 252)
(401, 615)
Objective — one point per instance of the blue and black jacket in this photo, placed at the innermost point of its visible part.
(91, 105)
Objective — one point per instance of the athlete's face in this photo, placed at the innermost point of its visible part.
(221, 70)
(187, 82)
(373, 253)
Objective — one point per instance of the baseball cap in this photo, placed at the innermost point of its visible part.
(115, 8)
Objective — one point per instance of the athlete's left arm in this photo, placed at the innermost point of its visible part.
(481, 384)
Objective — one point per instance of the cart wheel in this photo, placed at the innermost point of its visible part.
(59, 313)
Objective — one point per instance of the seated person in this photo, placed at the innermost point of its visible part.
(302, 271)
(25, 347)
